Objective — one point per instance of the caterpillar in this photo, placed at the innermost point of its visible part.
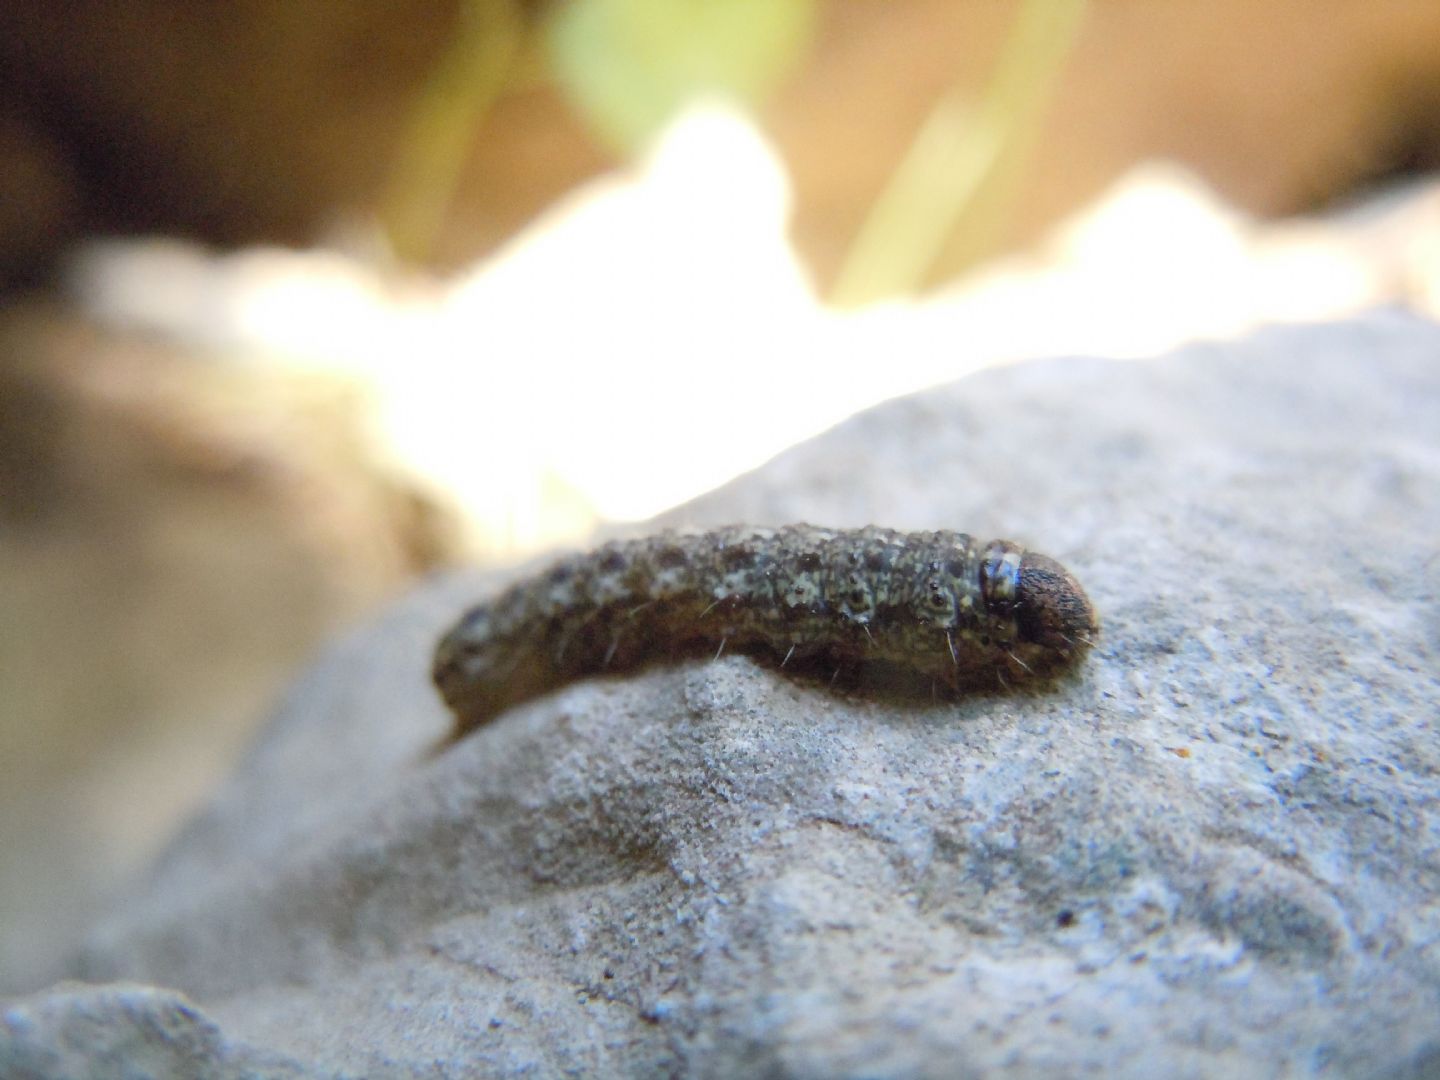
(941, 606)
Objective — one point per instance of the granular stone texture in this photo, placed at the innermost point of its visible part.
(125, 1031)
(1212, 850)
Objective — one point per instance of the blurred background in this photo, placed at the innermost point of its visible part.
(302, 301)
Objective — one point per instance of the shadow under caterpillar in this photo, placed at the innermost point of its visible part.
(940, 605)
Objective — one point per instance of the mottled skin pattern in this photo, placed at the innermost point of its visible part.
(942, 606)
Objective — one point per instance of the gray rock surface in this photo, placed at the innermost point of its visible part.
(1212, 852)
(124, 1031)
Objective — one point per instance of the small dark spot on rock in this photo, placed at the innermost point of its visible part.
(1065, 919)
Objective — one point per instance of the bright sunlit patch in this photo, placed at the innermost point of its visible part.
(654, 335)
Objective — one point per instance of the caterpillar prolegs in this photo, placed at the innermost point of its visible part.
(942, 605)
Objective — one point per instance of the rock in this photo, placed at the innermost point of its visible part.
(119, 1030)
(1213, 851)
(155, 503)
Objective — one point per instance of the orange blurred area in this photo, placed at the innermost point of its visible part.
(306, 301)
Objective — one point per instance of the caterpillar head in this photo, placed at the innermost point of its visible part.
(1051, 609)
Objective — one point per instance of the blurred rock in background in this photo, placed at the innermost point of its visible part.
(174, 537)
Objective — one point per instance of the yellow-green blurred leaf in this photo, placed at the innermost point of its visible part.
(630, 64)
(449, 111)
(956, 180)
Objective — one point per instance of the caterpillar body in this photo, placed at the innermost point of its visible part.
(940, 605)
